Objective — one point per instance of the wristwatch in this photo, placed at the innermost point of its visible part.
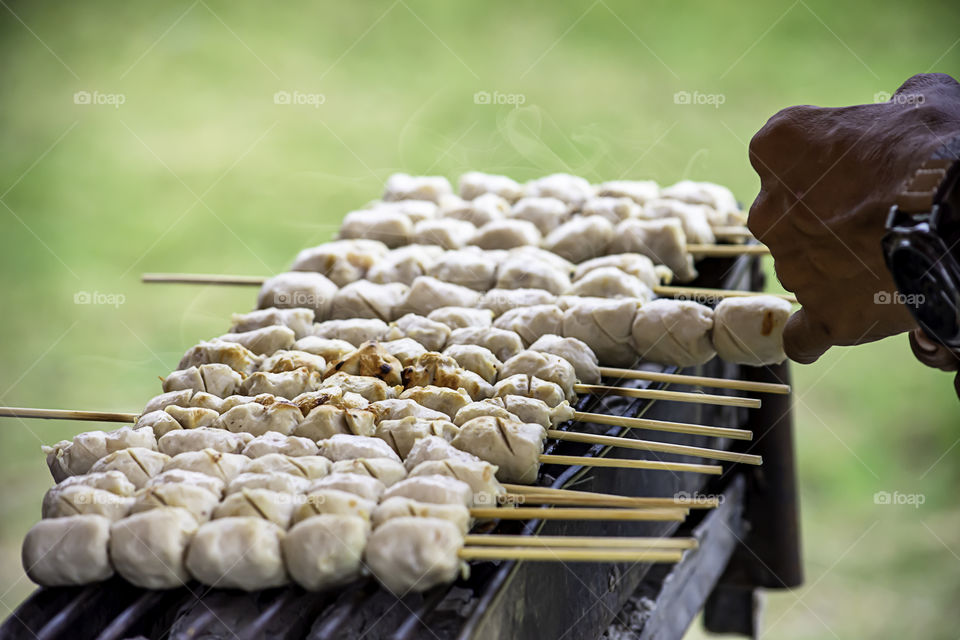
(922, 246)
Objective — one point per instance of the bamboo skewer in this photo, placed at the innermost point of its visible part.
(702, 381)
(531, 493)
(568, 555)
(627, 463)
(577, 513)
(733, 232)
(700, 293)
(627, 502)
(597, 418)
(728, 250)
(667, 395)
(203, 278)
(663, 425)
(573, 542)
(658, 447)
(67, 414)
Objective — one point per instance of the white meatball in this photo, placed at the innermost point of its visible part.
(637, 265)
(479, 211)
(444, 232)
(674, 332)
(428, 294)
(573, 190)
(69, 551)
(605, 326)
(365, 299)
(499, 301)
(640, 191)
(238, 553)
(545, 366)
(298, 289)
(402, 186)
(414, 554)
(514, 447)
(725, 210)
(330, 349)
(467, 268)
(298, 319)
(326, 551)
(522, 273)
(347, 447)
(477, 359)
(502, 343)
(148, 548)
(435, 489)
(581, 238)
(344, 261)
(234, 355)
(610, 282)
(546, 213)
(355, 331)
(435, 448)
(392, 228)
(532, 322)
(615, 210)
(506, 234)
(273, 506)
(574, 351)
(403, 434)
(749, 330)
(404, 264)
(693, 217)
(461, 317)
(474, 184)
(663, 241)
(429, 333)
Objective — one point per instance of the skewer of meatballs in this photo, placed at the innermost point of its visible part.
(562, 213)
(222, 519)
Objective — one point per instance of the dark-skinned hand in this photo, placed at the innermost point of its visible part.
(828, 177)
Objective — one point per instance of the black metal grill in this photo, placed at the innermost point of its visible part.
(520, 599)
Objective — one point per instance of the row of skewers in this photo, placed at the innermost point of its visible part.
(351, 445)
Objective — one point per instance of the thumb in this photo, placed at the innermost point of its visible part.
(805, 339)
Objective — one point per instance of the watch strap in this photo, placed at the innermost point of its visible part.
(923, 189)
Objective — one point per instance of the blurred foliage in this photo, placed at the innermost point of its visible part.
(200, 170)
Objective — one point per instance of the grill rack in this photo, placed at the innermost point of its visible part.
(492, 602)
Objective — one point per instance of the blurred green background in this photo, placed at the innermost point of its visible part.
(199, 169)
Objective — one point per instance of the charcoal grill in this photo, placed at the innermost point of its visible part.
(750, 542)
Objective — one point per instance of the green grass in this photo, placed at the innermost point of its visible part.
(95, 195)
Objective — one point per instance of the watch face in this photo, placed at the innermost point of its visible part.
(928, 276)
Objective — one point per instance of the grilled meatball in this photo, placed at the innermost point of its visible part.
(238, 553)
(749, 330)
(674, 332)
(365, 299)
(62, 552)
(326, 551)
(574, 351)
(300, 320)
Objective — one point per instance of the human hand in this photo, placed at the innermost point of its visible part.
(828, 177)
